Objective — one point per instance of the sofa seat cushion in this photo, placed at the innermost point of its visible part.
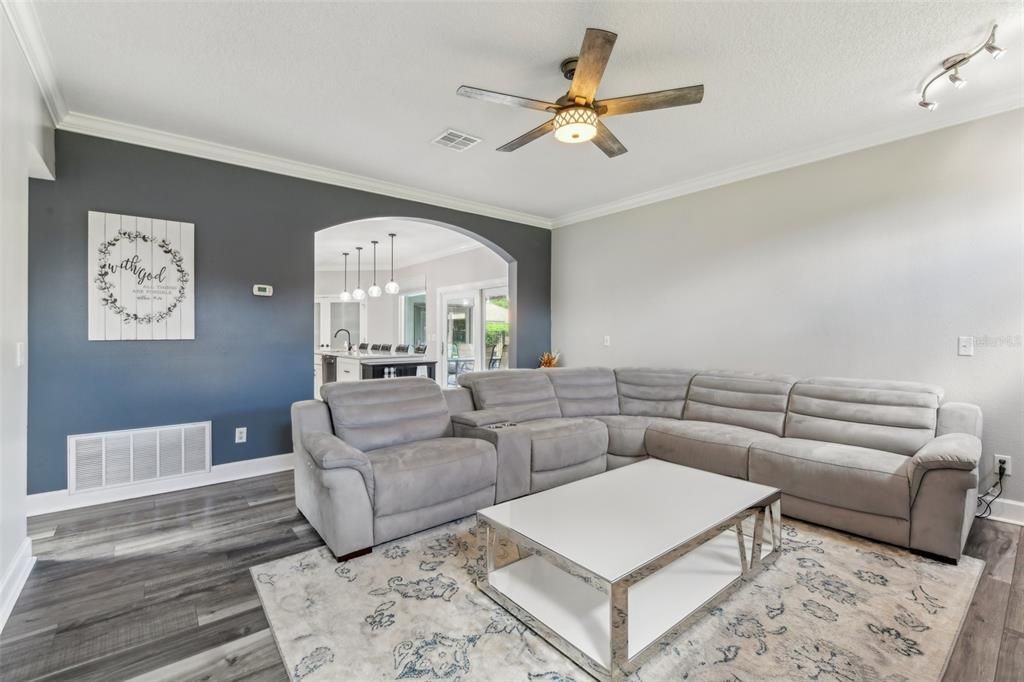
(719, 448)
(563, 442)
(428, 472)
(626, 433)
(847, 476)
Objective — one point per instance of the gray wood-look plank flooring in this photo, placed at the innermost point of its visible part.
(158, 588)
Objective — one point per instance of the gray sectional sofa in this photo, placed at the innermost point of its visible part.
(884, 459)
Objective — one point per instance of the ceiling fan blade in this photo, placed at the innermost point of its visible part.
(663, 99)
(540, 131)
(594, 53)
(502, 98)
(607, 142)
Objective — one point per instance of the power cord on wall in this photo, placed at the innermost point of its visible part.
(996, 491)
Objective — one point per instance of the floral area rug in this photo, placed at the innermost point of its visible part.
(832, 608)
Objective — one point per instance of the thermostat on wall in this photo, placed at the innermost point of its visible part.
(262, 290)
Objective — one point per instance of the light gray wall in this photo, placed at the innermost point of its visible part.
(26, 148)
(865, 265)
(477, 265)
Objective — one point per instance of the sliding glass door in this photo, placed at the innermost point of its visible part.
(461, 349)
(497, 327)
(476, 331)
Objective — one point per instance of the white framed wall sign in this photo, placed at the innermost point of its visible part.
(141, 278)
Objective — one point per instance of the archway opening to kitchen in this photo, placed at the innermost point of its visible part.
(434, 300)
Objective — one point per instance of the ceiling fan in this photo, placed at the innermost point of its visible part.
(577, 113)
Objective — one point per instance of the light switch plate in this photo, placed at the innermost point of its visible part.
(19, 354)
(607, 340)
(965, 345)
(241, 434)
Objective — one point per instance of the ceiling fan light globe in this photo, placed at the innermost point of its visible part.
(391, 287)
(358, 294)
(575, 124)
(374, 291)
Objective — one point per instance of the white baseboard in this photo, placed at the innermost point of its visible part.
(1009, 511)
(14, 580)
(59, 500)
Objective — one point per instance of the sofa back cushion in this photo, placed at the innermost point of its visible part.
(896, 416)
(647, 392)
(523, 394)
(384, 412)
(749, 399)
(584, 391)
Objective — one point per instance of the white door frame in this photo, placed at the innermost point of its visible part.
(474, 290)
(401, 311)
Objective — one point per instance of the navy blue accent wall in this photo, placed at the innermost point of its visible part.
(252, 356)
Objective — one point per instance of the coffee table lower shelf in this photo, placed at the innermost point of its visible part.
(572, 608)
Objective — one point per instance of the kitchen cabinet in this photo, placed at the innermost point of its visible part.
(348, 369)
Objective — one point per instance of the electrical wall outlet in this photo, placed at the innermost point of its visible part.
(241, 433)
(607, 340)
(1005, 459)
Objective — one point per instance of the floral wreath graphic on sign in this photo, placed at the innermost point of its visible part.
(109, 300)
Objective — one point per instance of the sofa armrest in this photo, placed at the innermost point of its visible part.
(959, 418)
(514, 453)
(481, 417)
(956, 451)
(331, 452)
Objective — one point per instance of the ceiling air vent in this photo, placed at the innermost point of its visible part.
(453, 139)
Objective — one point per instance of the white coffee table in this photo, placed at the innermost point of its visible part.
(609, 567)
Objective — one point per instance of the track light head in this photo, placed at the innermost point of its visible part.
(924, 104)
(995, 50)
(957, 81)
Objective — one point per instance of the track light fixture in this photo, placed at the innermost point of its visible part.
(952, 65)
(994, 50)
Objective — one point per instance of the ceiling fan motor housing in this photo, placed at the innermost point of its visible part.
(568, 67)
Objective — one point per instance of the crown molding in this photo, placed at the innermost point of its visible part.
(191, 146)
(782, 162)
(25, 24)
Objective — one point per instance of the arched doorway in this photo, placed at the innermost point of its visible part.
(455, 303)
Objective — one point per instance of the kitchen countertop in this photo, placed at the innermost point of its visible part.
(374, 358)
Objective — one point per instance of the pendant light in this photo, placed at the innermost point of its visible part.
(358, 294)
(374, 290)
(392, 286)
(344, 295)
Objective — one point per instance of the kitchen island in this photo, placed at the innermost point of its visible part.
(339, 365)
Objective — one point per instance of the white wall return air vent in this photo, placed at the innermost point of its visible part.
(453, 139)
(121, 458)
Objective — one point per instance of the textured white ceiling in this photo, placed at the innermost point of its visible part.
(364, 87)
(415, 242)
